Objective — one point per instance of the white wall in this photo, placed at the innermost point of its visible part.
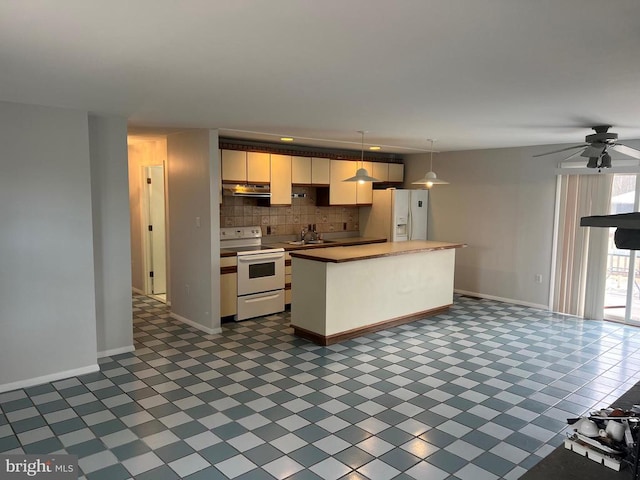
(111, 235)
(47, 289)
(193, 179)
(501, 203)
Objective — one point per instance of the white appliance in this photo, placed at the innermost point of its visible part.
(260, 272)
(397, 215)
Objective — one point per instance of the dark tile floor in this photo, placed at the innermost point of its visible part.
(480, 392)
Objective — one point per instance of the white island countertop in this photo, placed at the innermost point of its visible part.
(374, 250)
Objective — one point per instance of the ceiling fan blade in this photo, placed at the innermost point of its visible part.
(572, 155)
(562, 150)
(628, 151)
(593, 150)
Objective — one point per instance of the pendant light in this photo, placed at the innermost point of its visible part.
(430, 179)
(361, 176)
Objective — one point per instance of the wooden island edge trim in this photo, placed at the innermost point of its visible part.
(374, 255)
(325, 340)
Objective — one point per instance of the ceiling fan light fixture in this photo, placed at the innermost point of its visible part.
(605, 161)
(361, 176)
(430, 178)
(593, 162)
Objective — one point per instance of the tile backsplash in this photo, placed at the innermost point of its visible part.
(288, 220)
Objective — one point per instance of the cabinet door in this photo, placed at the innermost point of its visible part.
(396, 172)
(234, 166)
(258, 169)
(364, 191)
(380, 171)
(228, 294)
(320, 171)
(342, 193)
(280, 179)
(301, 170)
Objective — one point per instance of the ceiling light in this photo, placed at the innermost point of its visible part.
(430, 179)
(361, 176)
(374, 148)
(605, 161)
(286, 139)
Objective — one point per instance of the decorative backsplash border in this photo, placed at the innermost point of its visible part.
(288, 220)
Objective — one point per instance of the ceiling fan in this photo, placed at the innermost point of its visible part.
(596, 146)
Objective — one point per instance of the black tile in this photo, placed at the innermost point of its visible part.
(105, 428)
(86, 448)
(48, 445)
(114, 472)
(130, 450)
(160, 473)
(28, 424)
(354, 457)
(54, 406)
(8, 443)
(174, 451)
(66, 426)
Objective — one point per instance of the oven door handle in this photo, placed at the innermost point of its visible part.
(260, 258)
(259, 299)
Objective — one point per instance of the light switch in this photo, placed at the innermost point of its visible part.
(198, 222)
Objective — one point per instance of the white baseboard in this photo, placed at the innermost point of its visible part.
(116, 351)
(502, 299)
(191, 323)
(7, 387)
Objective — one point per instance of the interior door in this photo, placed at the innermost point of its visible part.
(156, 239)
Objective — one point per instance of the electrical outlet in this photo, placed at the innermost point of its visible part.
(187, 289)
(538, 278)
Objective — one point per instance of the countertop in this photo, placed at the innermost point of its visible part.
(337, 242)
(376, 250)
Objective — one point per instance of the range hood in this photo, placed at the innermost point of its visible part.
(254, 191)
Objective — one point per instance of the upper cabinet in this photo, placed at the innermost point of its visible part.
(258, 167)
(310, 171)
(234, 166)
(364, 191)
(380, 171)
(341, 192)
(281, 170)
(396, 172)
(245, 167)
(301, 170)
(320, 171)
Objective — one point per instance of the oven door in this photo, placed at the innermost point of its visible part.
(260, 272)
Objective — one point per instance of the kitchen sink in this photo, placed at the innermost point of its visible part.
(317, 242)
(310, 242)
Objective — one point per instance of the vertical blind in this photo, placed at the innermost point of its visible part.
(581, 252)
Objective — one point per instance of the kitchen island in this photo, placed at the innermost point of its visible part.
(343, 292)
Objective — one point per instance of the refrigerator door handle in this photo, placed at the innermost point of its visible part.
(410, 221)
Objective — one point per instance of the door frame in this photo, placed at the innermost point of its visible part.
(144, 224)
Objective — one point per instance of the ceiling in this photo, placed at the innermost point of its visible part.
(472, 74)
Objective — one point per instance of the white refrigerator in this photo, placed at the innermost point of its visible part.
(397, 215)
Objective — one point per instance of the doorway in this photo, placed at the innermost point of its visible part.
(155, 232)
(622, 294)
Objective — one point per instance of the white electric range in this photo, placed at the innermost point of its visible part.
(260, 272)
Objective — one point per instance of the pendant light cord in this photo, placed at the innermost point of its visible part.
(362, 149)
(431, 153)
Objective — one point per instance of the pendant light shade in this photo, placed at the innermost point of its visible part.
(430, 178)
(361, 176)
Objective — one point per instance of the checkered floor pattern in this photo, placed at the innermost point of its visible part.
(480, 392)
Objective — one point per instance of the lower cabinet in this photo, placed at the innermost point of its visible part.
(228, 286)
(287, 279)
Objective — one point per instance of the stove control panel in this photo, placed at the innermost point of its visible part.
(234, 233)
